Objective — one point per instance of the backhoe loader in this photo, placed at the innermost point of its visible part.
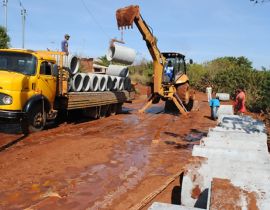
(174, 91)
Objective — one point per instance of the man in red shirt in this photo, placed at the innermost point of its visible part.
(239, 105)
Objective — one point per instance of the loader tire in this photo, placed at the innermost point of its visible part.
(183, 93)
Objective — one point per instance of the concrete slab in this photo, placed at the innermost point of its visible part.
(234, 144)
(226, 196)
(198, 179)
(220, 133)
(232, 154)
(165, 206)
(225, 110)
(241, 122)
(235, 151)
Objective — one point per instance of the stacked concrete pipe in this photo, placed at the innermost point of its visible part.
(127, 83)
(118, 70)
(82, 82)
(77, 82)
(101, 82)
(93, 82)
(109, 82)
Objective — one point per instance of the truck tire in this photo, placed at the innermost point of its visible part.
(113, 109)
(103, 111)
(35, 120)
(119, 108)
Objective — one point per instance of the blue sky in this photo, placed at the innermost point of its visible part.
(202, 30)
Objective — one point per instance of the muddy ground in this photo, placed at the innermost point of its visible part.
(110, 163)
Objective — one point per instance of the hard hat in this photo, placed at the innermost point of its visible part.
(66, 35)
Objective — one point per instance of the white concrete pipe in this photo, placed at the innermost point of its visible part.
(101, 82)
(120, 83)
(223, 96)
(121, 54)
(114, 82)
(117, 70)
(86, 83)
(127, 83)
(93, 82)
(77, 82)
(109, 82)
(70, 62)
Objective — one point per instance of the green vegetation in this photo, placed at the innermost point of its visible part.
(142, 72)
(102, 60)
(226, 74)
(4, 38)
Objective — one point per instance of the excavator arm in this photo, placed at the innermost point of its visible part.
(125, 19)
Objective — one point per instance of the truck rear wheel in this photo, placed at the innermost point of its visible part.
(103, 112)
(113, 109)
(35, 120)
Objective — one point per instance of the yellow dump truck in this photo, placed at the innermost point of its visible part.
(34, 90)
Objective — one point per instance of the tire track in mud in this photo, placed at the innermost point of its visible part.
(139, 169)
(127, 167)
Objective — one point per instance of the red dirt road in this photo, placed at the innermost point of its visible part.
(111, 163)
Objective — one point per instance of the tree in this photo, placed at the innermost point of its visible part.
(4, 38)
(102, 60)
(259, 1)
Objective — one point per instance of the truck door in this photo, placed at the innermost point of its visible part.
(46, 81)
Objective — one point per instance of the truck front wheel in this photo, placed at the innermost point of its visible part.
(35, 121)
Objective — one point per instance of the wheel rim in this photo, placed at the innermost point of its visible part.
(38, 120)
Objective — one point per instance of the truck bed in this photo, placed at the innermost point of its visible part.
(78, 100)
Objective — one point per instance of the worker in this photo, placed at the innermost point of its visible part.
(240, 100)
(209, 93)
(169, 70)
(214, 104)
(64, 44)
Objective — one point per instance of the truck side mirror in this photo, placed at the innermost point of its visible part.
(55, 70)
(190, 61)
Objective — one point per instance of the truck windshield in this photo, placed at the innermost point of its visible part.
(18, 62)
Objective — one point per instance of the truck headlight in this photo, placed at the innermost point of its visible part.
(7, 100)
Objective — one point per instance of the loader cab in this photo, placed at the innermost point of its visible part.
(178, 63)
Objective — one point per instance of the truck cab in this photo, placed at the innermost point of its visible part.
(27, 85)
(34, 87)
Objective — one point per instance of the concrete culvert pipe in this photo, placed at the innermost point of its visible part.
(109, 82)
(114, 82)
(117, 70)
(72, 63)
(86, 83)
(77, 82)
(94, 82)
(120, 83)
(121, 54)
(223, 96)
(127, 83)
(101, 82)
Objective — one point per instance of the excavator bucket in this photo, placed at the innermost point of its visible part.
(126, 16)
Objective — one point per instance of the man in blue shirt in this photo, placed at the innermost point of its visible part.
(214, 104)
(169, 70)
(64, 44)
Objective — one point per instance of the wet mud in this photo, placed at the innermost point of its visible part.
(111, 163)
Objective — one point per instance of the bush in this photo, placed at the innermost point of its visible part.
(226, 74)
(142, 73)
